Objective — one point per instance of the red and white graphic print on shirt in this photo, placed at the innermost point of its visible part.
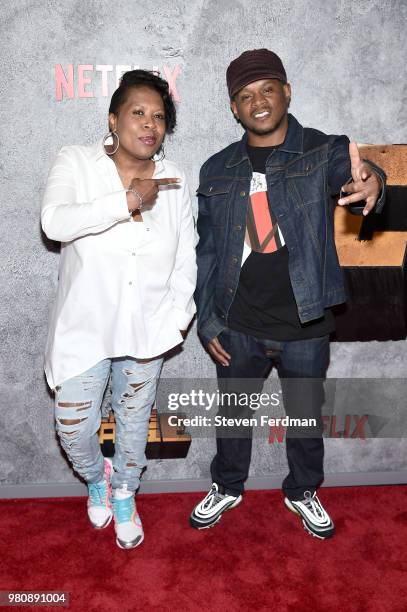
(262, 231)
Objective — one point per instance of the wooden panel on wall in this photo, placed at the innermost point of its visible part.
(164, 441)
(372, 253)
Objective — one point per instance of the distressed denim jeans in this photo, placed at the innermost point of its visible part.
(78, 417)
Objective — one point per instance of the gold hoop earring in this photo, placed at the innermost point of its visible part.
(111, 135)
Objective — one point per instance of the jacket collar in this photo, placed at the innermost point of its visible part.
(293, 143)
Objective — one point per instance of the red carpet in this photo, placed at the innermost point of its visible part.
(257, 558)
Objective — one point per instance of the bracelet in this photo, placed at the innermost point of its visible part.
(138, 195)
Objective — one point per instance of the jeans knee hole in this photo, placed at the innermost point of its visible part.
(137, 386)
(77, 405)
(71, 421)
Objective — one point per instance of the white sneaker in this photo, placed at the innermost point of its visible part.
(99, 504)
(315, 518)
(127, 523)
(210, 509)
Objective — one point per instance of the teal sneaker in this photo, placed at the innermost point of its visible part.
(127, 523)
(100, 511)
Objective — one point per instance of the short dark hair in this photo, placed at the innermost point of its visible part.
(145, 78)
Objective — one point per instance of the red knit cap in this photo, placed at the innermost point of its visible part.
(253, 66)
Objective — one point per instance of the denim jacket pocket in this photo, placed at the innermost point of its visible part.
(307, 175)
(213, 188)
(216, 194)
(307, 186)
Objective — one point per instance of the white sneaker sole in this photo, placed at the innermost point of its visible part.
(105, 524)
(129, 545)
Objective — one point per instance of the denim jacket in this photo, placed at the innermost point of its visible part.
(303, 174)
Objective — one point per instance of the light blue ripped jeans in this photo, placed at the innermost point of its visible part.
(78, 417)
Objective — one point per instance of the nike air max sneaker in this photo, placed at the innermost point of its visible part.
(314, 517)
(209, 511)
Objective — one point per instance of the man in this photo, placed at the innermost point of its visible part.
(268, 273)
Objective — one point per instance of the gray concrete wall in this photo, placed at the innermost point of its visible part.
(346, 64)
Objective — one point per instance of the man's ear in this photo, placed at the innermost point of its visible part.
(233, 108)
(287, 92)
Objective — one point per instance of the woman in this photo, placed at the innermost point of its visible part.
(125, 293)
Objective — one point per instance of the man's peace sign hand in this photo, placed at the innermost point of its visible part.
(366, 184)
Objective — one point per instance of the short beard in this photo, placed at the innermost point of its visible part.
(264, 131)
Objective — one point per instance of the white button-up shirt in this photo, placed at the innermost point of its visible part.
(125, 287)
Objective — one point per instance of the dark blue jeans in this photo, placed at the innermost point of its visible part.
(253, 358)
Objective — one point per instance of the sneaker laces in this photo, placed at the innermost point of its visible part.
(98, 493)
(213, 498)
(311, 502)
(123, 509)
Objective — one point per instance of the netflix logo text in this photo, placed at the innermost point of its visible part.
(101, 80)
(351, 426)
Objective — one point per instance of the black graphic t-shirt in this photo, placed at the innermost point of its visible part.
(264, 304)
